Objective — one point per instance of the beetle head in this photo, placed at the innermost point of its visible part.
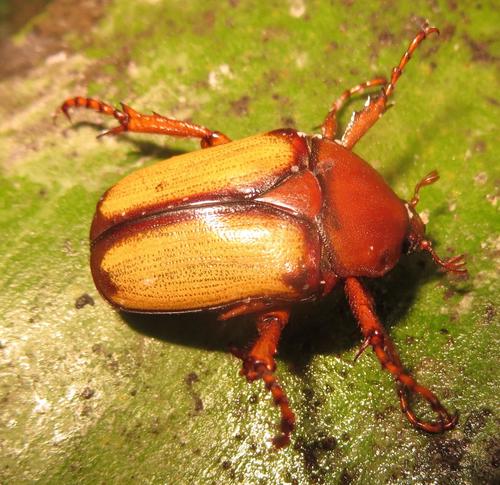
(415, 237)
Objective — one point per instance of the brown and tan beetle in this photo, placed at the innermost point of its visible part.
(256, 225)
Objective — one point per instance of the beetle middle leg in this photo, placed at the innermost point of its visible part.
(374, 108)
(363, 309)
(259, 363)
(133, 121)
(329, 126)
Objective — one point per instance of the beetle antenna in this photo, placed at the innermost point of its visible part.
(429, 179)
(455, 264)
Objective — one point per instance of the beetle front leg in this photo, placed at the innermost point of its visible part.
(363, 309)
(374, 108)
(259, 363)
(131, 120)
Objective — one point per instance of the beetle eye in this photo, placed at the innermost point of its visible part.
(406, 248)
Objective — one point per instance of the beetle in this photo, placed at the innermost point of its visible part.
(257, 225)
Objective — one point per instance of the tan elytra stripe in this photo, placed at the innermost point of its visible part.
(238, 166)
(208, 260)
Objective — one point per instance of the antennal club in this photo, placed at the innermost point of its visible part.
(455, 264)
(429, 179)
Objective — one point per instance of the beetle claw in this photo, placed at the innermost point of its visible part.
(113, 131)
(446, 421)
(362, 348)
(65, 111)
(62, 109)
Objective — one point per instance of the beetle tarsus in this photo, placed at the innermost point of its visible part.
(363, 309)
(254, 370)
(398, 70)
(133, 121)
(88, 103)
(363, 120)
(287, 423)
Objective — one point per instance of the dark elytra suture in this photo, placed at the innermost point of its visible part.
(256, 225)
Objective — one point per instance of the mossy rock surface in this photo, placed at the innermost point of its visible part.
(88, 395)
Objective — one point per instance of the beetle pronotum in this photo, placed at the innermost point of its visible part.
(256, 225)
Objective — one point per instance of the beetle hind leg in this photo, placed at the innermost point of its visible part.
(133, 121)
(375, 336)
(259, 363)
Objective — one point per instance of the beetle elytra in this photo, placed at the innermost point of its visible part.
(256, 225)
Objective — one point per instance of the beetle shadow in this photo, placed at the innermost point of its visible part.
(428, 129)
(331, 327)
(143, 147)
(326, 327)
(196, 330)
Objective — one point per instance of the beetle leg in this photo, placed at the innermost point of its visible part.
(259, 363)
(374, 108)
(329, 126)
(244, 309)
(131, 120)
(455, 264)
(363, 309)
